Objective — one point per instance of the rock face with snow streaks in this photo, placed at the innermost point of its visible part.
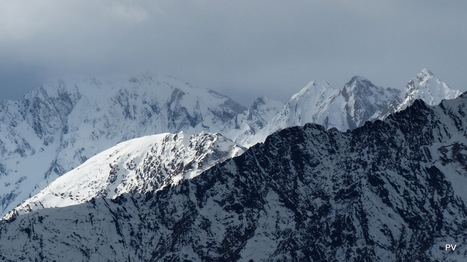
(390, 190)
(58, 126)
(427, 87)
(347, 108)
(357, 102)
(244, 127)
(137, 166)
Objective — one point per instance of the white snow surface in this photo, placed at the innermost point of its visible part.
(244, 127)
(58, 126)
(357, 102)
(320, 103)
(428, 88)
(159, 159)
(139, 165)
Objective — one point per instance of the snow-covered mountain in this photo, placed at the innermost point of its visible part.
(357, 102)
(347, 108)
(140, 165)
(60, 125)
(253, 121)
(429, 88)
(365, 101)
(390, 190)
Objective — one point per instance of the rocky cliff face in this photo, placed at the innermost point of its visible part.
(357, 102)
(390, 190)
(253, 122)
(141, 165)
(60, 125)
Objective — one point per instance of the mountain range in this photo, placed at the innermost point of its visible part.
(357, 102)
(58, 151)
(61, 124)
(389, 190)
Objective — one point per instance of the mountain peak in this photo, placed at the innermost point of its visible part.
(313, 88)
(371, 193)
(425, 73)
(305, 106)
(311, 85)
(65, 122)
(358, 85)
(424, 76)
(261, 100)
(358, 78)
(365, 101)
(359, 81)
(429, 88)
(265, 103)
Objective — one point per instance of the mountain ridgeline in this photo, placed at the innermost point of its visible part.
(83, 177)
(139, 165)
(391, 190)
(357, 102)
(60, 125)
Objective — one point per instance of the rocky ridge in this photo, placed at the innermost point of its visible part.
(387, 191)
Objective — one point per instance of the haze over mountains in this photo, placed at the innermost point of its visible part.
(384, 191)
(357, 102)
(62, 124)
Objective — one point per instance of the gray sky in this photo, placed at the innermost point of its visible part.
(239, 48)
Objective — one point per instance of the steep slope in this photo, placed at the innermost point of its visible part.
(365, 102)
(245, 126)
(60, 125)
(429, 88)
(308, 105)
(139, 165)
(359, 101)
(387, 191)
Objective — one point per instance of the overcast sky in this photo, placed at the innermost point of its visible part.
(239, 48)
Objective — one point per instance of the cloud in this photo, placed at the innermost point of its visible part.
(242, 48)
(131, 13)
